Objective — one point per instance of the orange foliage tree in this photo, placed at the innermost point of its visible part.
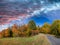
(45, 28)
(15, 31)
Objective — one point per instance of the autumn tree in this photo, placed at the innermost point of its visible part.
(6, 32)
(23, 30)
(55, 28)
(45, 28)
(15, 30)
(1, 36)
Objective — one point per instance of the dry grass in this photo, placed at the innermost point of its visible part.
(40, 39)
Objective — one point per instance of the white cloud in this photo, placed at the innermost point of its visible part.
(45, 9)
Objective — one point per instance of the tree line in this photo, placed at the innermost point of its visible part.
(31, 29)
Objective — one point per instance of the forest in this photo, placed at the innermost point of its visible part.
(31, 29)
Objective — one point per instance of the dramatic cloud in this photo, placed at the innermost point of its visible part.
(16, 11)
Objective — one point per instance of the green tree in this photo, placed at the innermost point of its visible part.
(32, 25)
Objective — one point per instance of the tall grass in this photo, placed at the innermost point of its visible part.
(40, 39)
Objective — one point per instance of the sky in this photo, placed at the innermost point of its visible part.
(22, 11)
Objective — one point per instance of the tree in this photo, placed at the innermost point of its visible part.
(32, 29)
(1, 36)
(32, 25)
(55, 28)
(23, 30)
(15, 30)
(45, 28)
(6, 32)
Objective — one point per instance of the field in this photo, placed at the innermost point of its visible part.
(40, 39)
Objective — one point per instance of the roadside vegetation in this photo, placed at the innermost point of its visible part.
(29, 34)
(55, 28)
(31, 29)
(39, 39)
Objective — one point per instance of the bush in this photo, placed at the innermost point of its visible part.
(34, 32)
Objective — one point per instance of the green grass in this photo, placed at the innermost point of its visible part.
(40, 39)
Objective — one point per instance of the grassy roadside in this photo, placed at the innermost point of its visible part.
(40, 39)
